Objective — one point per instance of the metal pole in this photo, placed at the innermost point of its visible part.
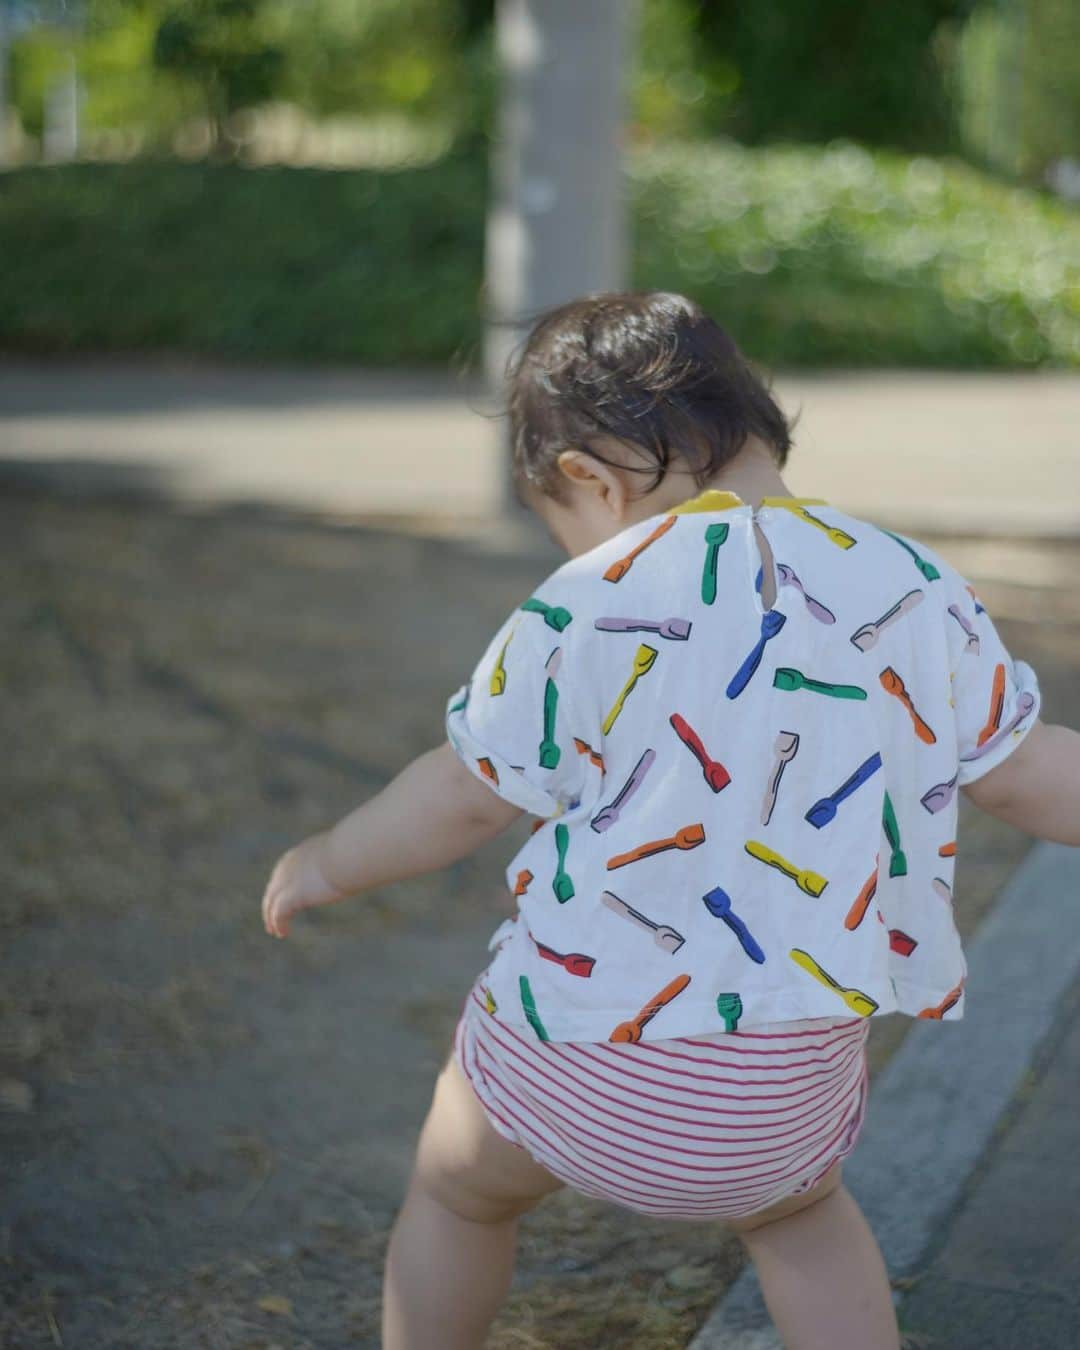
(557, 221)
(3, 85)
(61, 133)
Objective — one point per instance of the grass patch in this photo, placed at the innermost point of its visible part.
(810, 256)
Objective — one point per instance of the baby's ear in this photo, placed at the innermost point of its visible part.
(582, 469)
(600, 481)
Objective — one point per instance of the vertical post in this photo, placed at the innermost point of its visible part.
(61, 133)
(4, 153)
(557, 222)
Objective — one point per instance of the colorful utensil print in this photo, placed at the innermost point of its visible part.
(972, 643)
(893, 684)
(644, 660)
(675, 630)
(630, 1032)
(771, 623)
(897, 858)
(867, 636)
(901, 943)
(619, 569)
(554, 615)
(718, 903)
(489, 1001)
(665, 937)
(855, 999)
(940, 795)
(497, 683)
(1024, 704)
(814, 607)
(521, 885)
(947, 850)
(690, 836)
(550, 754)
(928, 569)
(608, 815)
(861, 903)
(978, 607)
(836, 536)
(792, 680)
(574, 963)
(528, 1004)
(825, 810)
(730, 1008)
(561, 883)
(950, 999)
(584, 748)
(714, 537)
(488, 770)
(716, 775)
(997, 704)
(810, 883)
(785, 748)
(942, 888)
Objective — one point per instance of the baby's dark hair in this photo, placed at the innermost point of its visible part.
(649, 368)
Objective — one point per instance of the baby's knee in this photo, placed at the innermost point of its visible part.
(456, 1189)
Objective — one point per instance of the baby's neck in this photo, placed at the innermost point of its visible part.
(751, 476)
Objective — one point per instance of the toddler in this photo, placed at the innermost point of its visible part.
(741, 720)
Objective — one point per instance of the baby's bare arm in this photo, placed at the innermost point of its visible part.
(433, 813)
(1037, 788)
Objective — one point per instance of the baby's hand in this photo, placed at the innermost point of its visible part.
(297, 882)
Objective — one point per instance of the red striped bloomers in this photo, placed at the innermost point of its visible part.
(715, 1126)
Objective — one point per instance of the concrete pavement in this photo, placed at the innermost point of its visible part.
(1004, 1272)
(967, 453)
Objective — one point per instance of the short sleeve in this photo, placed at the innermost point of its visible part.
(511, 724)
(995, 698)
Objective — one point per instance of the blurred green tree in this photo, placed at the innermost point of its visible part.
(223, 48)
(833, 68)
(1049, 103)
(1017, 84)
(368, 56)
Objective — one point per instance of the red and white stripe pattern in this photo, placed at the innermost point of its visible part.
(701, 1127)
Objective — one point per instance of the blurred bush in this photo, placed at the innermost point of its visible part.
(833, 256)
(276, 262)
(846, 256)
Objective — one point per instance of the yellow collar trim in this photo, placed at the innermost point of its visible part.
(709, 500)
(712, 499)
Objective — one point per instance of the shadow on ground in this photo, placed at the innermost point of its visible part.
(203, 1133)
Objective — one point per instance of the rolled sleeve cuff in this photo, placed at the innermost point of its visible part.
(1016, 721)
(491, 768)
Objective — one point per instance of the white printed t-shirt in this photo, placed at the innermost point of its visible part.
(748, 815)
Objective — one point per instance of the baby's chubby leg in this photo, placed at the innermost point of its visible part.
(451, 1255)
(821, 1271)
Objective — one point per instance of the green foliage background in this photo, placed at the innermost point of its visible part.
(839, 183)
(808, 255)
(997, 80)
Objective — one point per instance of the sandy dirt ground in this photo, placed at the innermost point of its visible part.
(204, 1133)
